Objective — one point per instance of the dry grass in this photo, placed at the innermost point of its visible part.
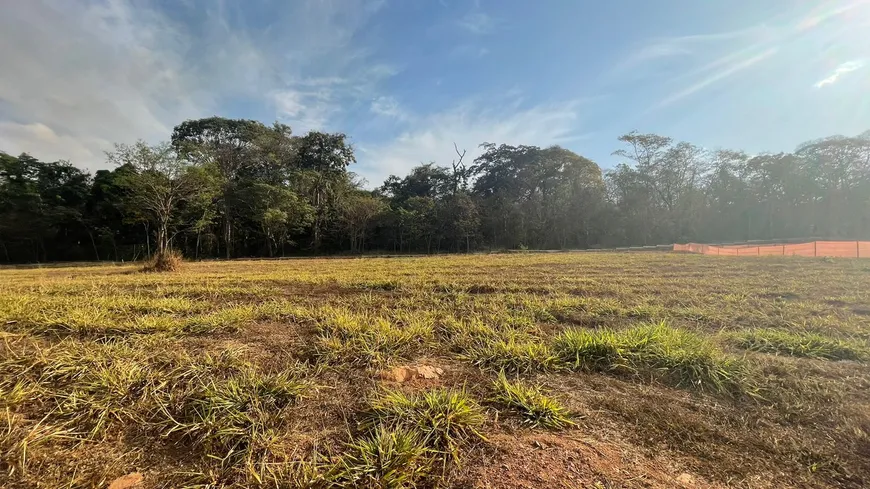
(742, 372)
(168, 261)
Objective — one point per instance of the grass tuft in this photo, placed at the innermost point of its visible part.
(386, 459)
(445, 419)
(676, 356)
(167, 261)
(798, 344)
(511, 355)
(223, 416)
(529, 401)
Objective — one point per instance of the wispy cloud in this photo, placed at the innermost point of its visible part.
(656, 49)
(827, 11)
(478, 23)
(711, 58)
(721, 74)
(387, 106)
(841, 70)
(431, 137)
(96, 72)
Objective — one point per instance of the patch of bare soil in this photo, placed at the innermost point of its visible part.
(568, 460)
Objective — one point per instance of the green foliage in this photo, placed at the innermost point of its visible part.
(233, 187)
(529, 401)
(799, 344)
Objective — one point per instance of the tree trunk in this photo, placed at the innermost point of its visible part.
(5, 250)
(228, 234)
(148, 238)
(93, 244)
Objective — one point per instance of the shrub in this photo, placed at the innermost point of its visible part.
(167, 261)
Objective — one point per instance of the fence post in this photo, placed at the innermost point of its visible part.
(783, 250)
(857, 249)
(815, 248)
(758, 250)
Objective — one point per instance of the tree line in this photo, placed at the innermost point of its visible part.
(238, 188)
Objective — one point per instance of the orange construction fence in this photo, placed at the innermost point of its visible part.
(845, 249)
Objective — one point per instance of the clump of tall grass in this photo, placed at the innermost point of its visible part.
(166, 261)
(676, 356)
(529, 401)
(445, 419)
(798, 344)
(221, 417)
(389, 458)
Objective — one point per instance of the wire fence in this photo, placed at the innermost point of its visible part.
(843, 249)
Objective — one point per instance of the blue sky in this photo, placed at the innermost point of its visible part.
(408, 78)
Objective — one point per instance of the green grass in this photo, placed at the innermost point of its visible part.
(386, 459)
(221, 417)
(799, 344)
(674, 355)
(512, 355)
(265, 373)
(530, 403)
(445, 419)
(348, 338)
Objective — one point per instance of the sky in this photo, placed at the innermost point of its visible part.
(406, 79)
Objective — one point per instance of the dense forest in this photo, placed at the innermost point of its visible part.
(239, 188)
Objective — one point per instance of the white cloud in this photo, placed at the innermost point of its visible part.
(841, 70)
(388, 107)
(87, 73)
(707, 59)
(827, 11)
(18, 138)
(431, 137)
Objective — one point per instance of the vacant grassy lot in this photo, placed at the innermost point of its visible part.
(558, 370)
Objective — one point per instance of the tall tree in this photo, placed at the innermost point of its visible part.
(324, 158)
(159, 186)
(230, 146)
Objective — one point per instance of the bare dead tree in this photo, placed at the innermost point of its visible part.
(460, 173)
